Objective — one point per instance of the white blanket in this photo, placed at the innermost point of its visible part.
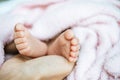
(95, 22)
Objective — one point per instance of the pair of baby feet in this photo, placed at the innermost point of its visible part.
(65, 44)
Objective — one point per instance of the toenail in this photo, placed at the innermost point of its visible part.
(77, 54)
(69, 34)
(78, 47)
(18, 27)
(73, 48)
(73, 54)
(74, 42)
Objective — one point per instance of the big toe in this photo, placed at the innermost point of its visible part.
(19, 27)
(69, 34)
(19, 31)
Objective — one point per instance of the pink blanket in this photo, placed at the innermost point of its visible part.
(95, 22)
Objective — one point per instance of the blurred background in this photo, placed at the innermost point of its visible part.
(6, 5)
(2, 0)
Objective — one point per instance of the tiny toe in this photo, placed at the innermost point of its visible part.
(75, 59)
(20, 40)
(19, 27)
(74, 41)
(74, 48)
(69, 34)
(71, 59)
(74, 54)
(19, 34)
(78, 47)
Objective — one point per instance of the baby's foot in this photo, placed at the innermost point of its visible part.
(27, 44)
(66, 45)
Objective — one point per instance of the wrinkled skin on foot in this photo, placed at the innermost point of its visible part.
(43, 68)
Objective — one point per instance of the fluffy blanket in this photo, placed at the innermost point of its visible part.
(95, 22)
